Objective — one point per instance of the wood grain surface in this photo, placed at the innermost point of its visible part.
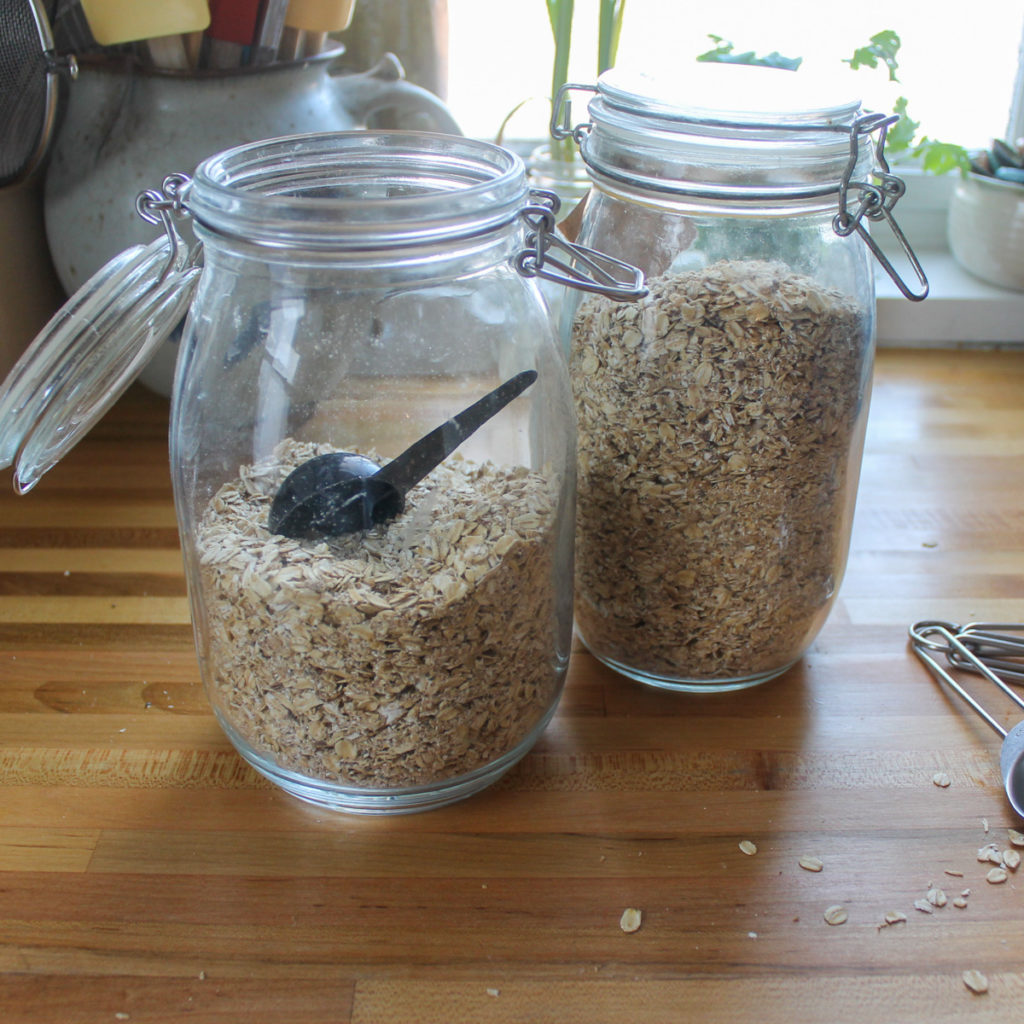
(147, 874)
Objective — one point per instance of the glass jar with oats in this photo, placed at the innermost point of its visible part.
(373, 447)
(721, 418)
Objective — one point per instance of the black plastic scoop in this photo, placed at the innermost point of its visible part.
(341, 492)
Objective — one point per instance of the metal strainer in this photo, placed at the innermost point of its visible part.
(29, 80)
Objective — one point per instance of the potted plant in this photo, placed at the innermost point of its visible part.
(985, 227)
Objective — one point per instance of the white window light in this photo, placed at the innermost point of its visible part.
(964, 79)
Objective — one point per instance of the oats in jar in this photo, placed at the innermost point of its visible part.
(719, 428)
(410, 653)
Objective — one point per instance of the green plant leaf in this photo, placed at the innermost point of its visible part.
(723, 53)
(609, 31)
(720, 49)
(941, 157)
(900, 136)
(560, 16)
(883, 46)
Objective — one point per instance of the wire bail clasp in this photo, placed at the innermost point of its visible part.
(157, 206)
(561, 125)
(163, 207)
(587, 269)
(876, 202)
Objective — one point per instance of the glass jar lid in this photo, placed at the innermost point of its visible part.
(730, 95)
(750, 138)
(723, 131)
(89, 353)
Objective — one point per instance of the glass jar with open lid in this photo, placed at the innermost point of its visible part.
(721, 419)
(372, 450)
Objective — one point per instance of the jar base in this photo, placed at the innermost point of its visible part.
(353, 800)
(682, 684)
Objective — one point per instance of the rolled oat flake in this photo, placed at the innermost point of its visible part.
(836, 914)
(631, 920)
(721, 418)
(976, 982)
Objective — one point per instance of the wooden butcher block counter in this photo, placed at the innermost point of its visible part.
(147, 874)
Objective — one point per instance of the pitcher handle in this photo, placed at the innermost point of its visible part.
(383, 87)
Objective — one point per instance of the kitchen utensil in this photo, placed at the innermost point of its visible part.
(320, 15)
(167, 52)
(29, 69)
(308, 22)
(341, 492)
(232, 31)
(194, 48)
(267, 41)
(127, 21)
(933, 637)
(992, 643)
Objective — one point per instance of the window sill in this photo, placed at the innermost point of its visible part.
(961, 310)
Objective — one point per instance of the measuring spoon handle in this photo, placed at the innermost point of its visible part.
(409, 468)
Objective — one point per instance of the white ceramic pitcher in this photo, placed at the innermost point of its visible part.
(124, 125)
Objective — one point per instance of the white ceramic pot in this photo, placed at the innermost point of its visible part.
(986, 229)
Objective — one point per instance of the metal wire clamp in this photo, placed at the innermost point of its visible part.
(561, 126)
(876, 202)
(163, 207)
(587, 269)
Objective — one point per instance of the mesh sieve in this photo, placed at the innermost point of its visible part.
(28, 87)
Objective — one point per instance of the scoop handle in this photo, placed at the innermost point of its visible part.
(409, 468)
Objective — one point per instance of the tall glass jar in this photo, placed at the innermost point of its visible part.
(358, 293)
(373, 449)
(721, 419)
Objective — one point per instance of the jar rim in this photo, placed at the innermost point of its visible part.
(357, 190)
(744, 96)
(723, 131)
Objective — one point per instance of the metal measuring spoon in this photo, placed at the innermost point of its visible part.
(1011, 757)
(341, 492)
